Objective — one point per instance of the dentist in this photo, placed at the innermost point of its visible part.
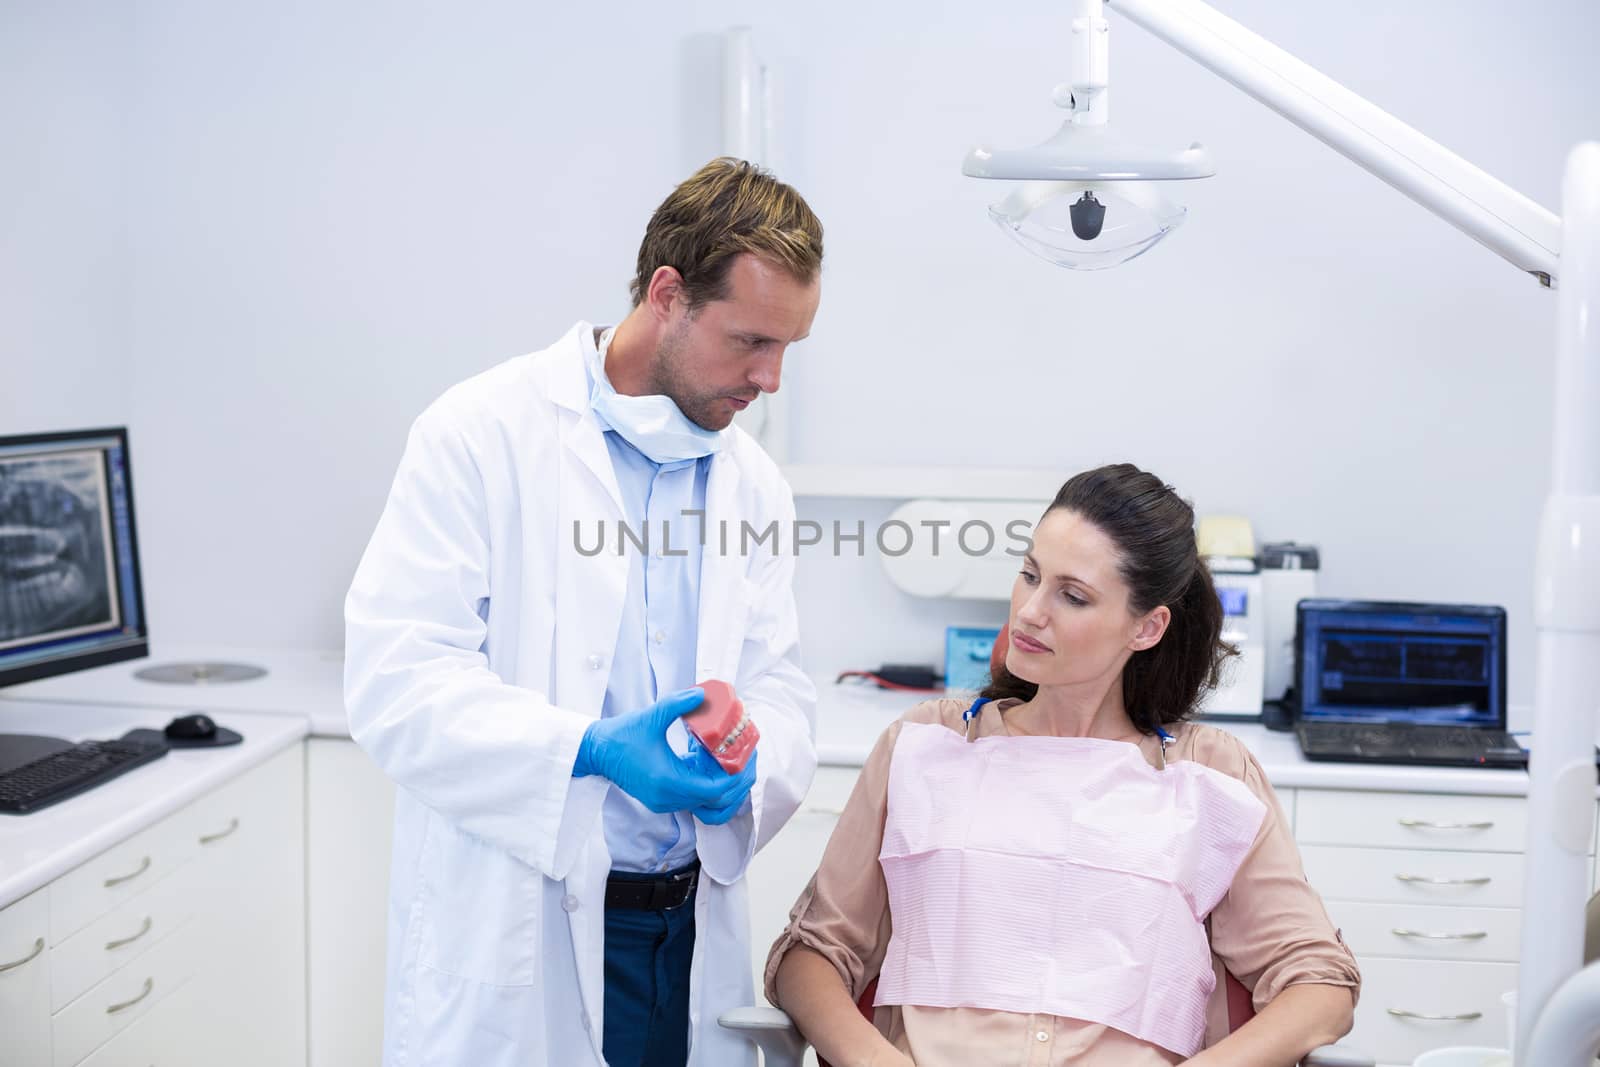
(559, 563)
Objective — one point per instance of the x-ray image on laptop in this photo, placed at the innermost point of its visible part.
(1390, 682)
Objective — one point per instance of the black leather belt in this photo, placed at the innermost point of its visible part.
(652, 892)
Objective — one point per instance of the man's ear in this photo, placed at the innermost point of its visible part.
(1151, 628)
(665, 293)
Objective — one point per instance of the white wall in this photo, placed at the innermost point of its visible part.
(1310, 349)
(64, 257)
(337, 210)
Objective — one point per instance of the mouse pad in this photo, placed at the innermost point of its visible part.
(224, 736)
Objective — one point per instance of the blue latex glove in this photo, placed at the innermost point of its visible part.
(716, 816)
(632, 751)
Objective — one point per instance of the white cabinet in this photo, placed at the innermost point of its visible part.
(126, 995)
(1412, 820)
(1423, 931)
(182, 946)
(781, 870)
(348, 843)
(25, 979)
(161, 1038)
(250, 842)
(1410, 1006)
(1427, 888)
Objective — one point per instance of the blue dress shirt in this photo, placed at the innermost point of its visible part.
(655, 652)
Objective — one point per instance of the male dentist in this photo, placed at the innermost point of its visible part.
(567, 884)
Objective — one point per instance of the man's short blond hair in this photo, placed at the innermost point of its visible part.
(725, 208)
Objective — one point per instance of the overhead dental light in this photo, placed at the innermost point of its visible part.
(1558, 1000)
(1086, 199)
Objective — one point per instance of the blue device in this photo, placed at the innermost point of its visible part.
(966, 656)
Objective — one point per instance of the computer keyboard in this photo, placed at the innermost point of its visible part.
(1397, 735)
(70, 771)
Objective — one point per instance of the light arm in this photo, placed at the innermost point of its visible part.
(1487, 210)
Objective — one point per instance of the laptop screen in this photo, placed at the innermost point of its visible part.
(1370, 661)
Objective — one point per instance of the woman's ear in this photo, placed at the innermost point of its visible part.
(1151, 628)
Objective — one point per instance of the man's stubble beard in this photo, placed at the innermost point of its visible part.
(668, 379)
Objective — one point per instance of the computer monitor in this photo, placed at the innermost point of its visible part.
(1381, 661)
(70, 596)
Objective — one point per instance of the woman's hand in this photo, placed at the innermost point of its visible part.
(1299, 1019)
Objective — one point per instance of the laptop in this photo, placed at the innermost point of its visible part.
(1389, 682)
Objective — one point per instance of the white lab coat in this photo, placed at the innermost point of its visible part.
(478, 644)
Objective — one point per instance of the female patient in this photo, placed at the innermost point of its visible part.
(1064, 867)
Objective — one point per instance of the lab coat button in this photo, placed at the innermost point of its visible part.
(1042, 1036)
(570, 903)
(595, 663)
(661, 635)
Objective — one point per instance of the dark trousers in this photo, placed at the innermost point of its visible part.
(647, 986)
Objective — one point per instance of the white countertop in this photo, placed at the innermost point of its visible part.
(850, 718)
(38, 848)
(309, 686)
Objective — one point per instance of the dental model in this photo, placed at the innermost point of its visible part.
(723, 726)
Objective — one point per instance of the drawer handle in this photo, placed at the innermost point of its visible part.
(144, 865)
(1481, 880)
(149, 984)
(206, 839)
(145, 929)
(38, 947)
(1464, 1017)
(1471, 935)
(1425, 824)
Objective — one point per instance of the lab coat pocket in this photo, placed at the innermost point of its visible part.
(479, 911)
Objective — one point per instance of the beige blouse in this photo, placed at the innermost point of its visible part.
(1270, 931)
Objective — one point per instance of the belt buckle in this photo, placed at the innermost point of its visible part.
(670, 894)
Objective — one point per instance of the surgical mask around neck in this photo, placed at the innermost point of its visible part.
(653, 424)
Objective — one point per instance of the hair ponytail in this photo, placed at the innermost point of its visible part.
(1164, 683)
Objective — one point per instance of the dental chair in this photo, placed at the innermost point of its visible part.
(782, 1046)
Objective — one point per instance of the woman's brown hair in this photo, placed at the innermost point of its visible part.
(1153, 530)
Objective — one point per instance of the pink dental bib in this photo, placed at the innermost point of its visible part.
(1060, 876)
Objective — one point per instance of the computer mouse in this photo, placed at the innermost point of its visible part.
(195, 727)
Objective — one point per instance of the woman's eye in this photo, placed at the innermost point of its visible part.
(1029, 578)
(1075, 600)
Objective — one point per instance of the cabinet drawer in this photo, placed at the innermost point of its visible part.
(118, 874)
(24, 930)
(164, 1037)
(128, 995)
(1422, 931)
(1441, 1003)
(25, 980)
(120, 936)
(241, 818)
(1411, 820)
(1479, 879)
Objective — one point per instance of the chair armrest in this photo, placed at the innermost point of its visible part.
(780, 1043)
(1337, 1056)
